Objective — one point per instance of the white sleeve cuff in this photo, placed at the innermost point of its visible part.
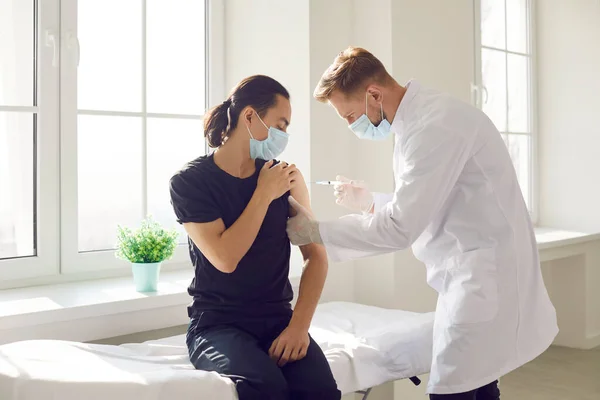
(380, 200)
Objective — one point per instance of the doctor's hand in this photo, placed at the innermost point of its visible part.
(291, 345)
(303, 228)
(353, 195)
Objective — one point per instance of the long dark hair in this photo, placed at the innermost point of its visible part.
(258, 91)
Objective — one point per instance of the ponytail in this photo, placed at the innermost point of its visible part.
(216, 122)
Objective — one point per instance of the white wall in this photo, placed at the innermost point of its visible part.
(433, 42)
(330, 143)
(568, 62)
(374, 277)
(569, 128)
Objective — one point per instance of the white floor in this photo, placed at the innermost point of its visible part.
(558, 374)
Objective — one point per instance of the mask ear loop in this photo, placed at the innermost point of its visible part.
(366, 106)
(261, 121)
(249, 133)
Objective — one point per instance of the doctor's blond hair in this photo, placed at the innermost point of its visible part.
(352, 70)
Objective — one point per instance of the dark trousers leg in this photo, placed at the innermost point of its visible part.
(487, 392)
(237, 355)
(311, 377)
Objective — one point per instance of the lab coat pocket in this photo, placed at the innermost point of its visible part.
(471, 287)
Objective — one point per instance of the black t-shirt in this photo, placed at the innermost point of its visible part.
(203, 192)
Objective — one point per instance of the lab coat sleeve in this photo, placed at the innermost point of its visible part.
(380, 200)
(434, 157)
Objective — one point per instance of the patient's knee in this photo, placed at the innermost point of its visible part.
(265, 386)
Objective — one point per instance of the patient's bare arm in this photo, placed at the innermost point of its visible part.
(293, 342)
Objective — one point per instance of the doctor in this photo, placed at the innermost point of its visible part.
(457, 202)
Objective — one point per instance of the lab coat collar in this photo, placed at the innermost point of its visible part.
(412, 88)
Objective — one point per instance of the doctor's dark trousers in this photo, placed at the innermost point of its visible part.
(239, 351)
(487, 392)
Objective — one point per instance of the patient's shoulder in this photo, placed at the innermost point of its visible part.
(193, 175)
(194, 169)
(198, 166)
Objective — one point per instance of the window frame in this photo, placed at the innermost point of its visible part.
(478, 91)
(58, 258)
(46, 259)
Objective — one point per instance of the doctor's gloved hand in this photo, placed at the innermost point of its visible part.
(302, 228)
(353, 195)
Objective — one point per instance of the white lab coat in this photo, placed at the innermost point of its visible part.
(457, 202)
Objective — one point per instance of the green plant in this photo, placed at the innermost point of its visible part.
(150, 243)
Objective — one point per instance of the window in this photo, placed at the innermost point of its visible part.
(504, 80)
(28, 138)
(100, 103)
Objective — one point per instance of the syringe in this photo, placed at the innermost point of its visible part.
(328, 183)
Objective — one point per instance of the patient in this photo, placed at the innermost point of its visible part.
(234, 207)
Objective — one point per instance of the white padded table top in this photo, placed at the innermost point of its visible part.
(365, 346)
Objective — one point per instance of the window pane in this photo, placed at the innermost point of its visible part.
(520, 153)
(17, 185)
(171, 144)
(518, 93)
(17, 49)
(109, 178)
(110, 70)
(175, 54)
(493, 64)
(516, 19)
(493, 23)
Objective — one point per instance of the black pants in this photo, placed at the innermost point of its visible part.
(487, 392)
(239, 351)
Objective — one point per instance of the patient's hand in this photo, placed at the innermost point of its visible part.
(290, 346)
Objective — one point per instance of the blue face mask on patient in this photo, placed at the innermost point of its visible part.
(271, 147)
(363, 128)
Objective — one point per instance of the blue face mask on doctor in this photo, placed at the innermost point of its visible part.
(271, 147)
(363, 128)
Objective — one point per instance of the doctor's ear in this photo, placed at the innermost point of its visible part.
(375, 94)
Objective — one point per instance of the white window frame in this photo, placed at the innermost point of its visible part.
(479, 93)
(58, 258)
(46, 260)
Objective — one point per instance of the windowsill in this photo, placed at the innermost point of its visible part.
(58, 311)
(551, 238)
(99, 309)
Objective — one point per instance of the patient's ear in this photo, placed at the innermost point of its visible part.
(246, 116)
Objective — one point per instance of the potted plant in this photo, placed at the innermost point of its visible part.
(146, 248)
